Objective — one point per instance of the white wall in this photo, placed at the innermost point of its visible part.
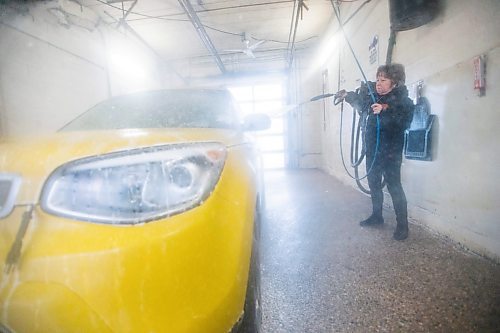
(458, 193)
(57, 59)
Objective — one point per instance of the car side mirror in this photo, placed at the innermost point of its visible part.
(256, 122)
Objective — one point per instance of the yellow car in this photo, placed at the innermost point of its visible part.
(138, 216)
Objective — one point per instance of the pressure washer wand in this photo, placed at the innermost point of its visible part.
(315, 98)
(338, 97)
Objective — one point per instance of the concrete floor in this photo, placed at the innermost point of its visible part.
(322, 272)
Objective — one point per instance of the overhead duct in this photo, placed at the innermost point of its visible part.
(410, 14)
(193, 17)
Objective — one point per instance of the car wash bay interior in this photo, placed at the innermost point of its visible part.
(321, 272)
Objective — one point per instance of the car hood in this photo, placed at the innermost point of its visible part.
(33, 159)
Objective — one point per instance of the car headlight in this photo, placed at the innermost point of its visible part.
(134, 186)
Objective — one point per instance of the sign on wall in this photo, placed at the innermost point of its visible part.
(373, 50)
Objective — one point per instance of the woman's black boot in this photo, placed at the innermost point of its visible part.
(401, 232)
(374, 219)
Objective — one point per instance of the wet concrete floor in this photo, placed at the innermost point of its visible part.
(322, 272)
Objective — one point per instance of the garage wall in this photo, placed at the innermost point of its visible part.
(457, 193)
(303, 144)
(57, 59)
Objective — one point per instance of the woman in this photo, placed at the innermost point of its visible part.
(394, 111)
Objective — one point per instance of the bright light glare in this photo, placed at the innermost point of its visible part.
(128, 63)
(326, 50)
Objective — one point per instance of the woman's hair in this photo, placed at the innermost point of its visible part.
(394, 72)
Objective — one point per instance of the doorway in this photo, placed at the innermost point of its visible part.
(265, 98)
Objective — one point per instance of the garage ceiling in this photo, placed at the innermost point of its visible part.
(220, 36)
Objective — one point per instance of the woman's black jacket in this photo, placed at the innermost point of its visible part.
(393, 120)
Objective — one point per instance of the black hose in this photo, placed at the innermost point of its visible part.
(356, 159)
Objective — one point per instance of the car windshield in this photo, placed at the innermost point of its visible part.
(161, 109)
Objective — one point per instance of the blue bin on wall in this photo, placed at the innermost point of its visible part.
(418, 138)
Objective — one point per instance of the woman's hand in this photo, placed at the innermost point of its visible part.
(341, 94)
(377, 107)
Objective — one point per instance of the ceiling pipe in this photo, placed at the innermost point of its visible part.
(193, 17)
(206, 10)
(297, 13)
(126, 14)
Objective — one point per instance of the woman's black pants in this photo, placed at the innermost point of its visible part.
(388, 165)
